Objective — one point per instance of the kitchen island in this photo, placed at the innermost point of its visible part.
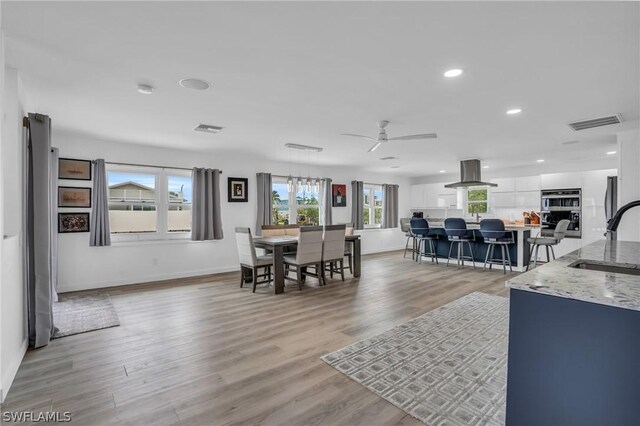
(574, 339)
(519, 251)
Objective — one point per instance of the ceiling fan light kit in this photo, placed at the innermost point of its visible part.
(382, 136)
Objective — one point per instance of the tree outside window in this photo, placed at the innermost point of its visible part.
(477, 200)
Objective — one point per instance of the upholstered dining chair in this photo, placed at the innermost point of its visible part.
(333, 249)
(250, 261)
(309, 253)
(547, 242)
(348, 247)
(494, 233)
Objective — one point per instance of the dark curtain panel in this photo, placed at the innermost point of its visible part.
(38, 251)
(206, 217)
(328, 200)
(265, 201)
(389, 206)
(357, 204)
(100, 231)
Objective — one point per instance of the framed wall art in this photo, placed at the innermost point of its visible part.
(73, 222)
(339, 195)
(237, 190)
(71, 169)
(74, 197)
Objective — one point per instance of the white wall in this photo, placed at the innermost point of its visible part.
(84, 267)
(13, 333)
(629, 184)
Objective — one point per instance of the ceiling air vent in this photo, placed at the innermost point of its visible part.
(389, 158)
(595, 122)
(208, 128)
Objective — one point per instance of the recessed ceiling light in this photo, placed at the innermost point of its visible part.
(453, 73)
(442, 171)
(303, 147)
(485, 167)
(207, 128)
(612, 152)
(514, 111)
(145, 89)
(540, 161)
(194, 83)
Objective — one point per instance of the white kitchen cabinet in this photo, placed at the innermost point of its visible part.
(504, 184)
(528, 183)
(417, 196)
(529, 200)
(561, 180)
(502, 199)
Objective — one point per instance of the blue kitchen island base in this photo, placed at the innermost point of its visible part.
(572, 362)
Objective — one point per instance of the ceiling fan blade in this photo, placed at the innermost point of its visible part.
(412, 137)
(358, 136)
(374, 147)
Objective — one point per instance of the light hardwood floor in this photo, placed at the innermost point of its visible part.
(202, 351)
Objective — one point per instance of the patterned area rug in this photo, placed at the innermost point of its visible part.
(446, 367)
(79, 314)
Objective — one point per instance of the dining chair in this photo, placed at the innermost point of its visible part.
(458, 234)
(333, 250)
(547, 242)
(494, 233)
(250, 261)
(420, 231)
(405, 227)
(309, 253)
(348, 246)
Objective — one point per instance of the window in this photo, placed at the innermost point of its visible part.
(372, 195)
(295, 206)
(477, 200)
(138, 210)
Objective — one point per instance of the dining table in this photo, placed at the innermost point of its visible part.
(277, 245)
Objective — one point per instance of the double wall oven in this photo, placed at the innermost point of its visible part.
(559, 204)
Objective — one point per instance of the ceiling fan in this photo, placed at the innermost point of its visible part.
(382, 136)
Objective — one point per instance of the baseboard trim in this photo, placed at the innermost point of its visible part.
(10, 374)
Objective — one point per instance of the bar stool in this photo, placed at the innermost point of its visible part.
(457, 233)
(420, 231)
(405, 226)
(548, 242)
(495, 234)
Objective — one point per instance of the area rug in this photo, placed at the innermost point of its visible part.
(79, 314)
(446, 367)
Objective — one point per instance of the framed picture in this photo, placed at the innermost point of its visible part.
(339, 195)
(73, 222)
(237, 190)
(71, 169)
(74, 197)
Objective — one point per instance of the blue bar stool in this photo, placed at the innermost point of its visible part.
(457, 234)
(494, 234)
(420, 231)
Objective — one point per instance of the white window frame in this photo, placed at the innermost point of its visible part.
(162, 204)
(372, 207)
(293, 200)
(467, 202)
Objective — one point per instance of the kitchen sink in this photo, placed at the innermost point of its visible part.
(583, 264)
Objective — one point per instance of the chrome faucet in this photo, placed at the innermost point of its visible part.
(477, 217)
(614, 222)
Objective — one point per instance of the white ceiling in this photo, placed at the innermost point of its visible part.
(306, 72)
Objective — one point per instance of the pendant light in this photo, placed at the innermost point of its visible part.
(308, 185)
(299, 184)
(290, 178)
(317, 181)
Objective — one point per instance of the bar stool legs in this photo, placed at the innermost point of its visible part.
(534, 248)
(460, 255)
(422, 251)
(504, 258)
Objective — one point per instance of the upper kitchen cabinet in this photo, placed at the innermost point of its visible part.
(561, 180)
(594, 186)
(528, 183)
(417, 196)
(504, 184)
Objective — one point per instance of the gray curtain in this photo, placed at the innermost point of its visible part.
(357, 204)
(265, 201)
(327, 201)
(53, 182)
(389, 206)
(206, 217)
(38, 232)
(100, 231)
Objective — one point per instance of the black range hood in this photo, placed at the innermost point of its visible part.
(470, 175)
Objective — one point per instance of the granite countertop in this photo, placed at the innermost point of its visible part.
(559, 279)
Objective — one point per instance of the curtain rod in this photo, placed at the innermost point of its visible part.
(286, 177)
(146, 165)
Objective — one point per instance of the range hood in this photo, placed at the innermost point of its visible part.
(470, 175)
